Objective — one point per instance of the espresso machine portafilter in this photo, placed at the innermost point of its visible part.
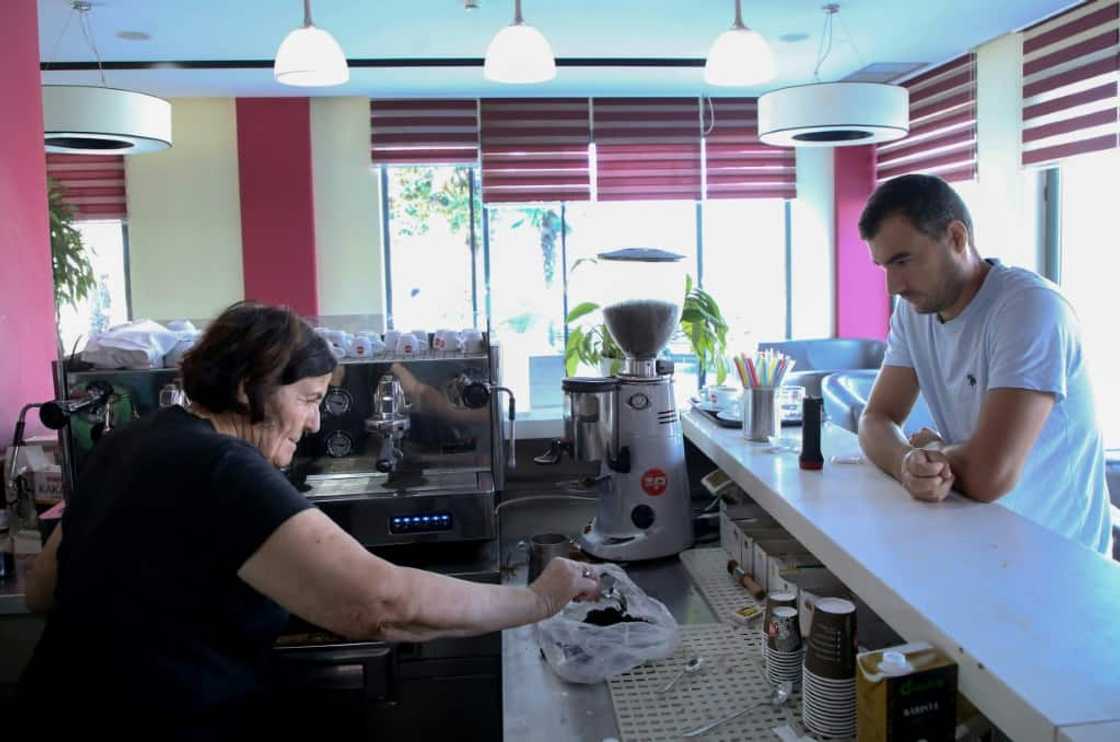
(628, 423)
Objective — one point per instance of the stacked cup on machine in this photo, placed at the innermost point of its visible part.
(828, 682)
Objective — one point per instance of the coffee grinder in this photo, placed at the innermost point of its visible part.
(628, 422)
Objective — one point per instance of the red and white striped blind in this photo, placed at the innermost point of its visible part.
(92, 185)
(647, 148)
(536, 149)
(1071, 65)
(737, 164)
(414, 132)
(942, 138)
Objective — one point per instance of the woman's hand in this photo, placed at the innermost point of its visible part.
(563, 581)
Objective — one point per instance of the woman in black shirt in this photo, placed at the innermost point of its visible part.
(187, 548)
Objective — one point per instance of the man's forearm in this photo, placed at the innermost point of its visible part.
(884, 442)
(976, 482)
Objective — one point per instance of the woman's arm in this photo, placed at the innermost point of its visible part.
(42, 575)
(320, 573)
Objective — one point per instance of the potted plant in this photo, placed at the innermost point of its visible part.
(73, 272)
(701, 322)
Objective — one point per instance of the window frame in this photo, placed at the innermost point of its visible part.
(481, 306)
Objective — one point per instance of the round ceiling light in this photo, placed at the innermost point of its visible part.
(834, 114)
(90, 120)
(519, 54)
(739, 56)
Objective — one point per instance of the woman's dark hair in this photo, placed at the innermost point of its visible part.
(257, 348)
(928, 202)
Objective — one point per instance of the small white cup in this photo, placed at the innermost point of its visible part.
(421, 339)
(408, 344)
(391, 339)
(362, 347)
(447, 340)
(376, 346)
(720, 397)
(473, 342)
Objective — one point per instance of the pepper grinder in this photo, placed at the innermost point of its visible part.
(811, 457)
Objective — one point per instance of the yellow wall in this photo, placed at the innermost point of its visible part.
(184, 216)
(347, 208)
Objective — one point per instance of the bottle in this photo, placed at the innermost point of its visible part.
(811, 457)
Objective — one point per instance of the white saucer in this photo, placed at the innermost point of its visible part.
(724, 415)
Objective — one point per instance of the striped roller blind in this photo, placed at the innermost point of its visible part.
(647, 148)
(405, 132)
(535, 149)
(1071, 64)
(737, 165)
(92, 185)
(942, 138)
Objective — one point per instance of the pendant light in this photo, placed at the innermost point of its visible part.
(310, 57)
(519, 54)
(99, 120)
(739, 56)
(833, 114)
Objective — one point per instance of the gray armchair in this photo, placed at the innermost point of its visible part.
(818, 358)
(846, 393)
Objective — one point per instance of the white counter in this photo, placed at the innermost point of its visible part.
(1032, 619)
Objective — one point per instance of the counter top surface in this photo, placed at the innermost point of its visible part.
(1032, 618)
(538, 705)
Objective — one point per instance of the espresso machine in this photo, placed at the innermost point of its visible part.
(628, 423)
(412, 447)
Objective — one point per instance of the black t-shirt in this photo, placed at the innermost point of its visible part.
(150, 615)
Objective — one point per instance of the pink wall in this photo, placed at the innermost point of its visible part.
(862, 304)
(277, 201)
(27, 331)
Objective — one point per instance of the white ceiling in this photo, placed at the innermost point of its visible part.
(867, 31)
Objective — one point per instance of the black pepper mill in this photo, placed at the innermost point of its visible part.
(811, 457)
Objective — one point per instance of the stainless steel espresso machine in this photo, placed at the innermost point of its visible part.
(628, 423)
(411, 448)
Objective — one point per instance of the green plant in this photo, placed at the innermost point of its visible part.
(73, 272)
(701, 322)
(589, 343)
(704, 326)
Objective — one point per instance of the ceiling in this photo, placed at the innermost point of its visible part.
(389, 31)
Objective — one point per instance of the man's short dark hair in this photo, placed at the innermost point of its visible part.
(257, 347)
(928, 202)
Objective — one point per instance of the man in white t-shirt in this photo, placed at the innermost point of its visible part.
(996, 352)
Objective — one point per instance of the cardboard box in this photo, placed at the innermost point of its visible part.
(916, 703)
(761, 550)
(779, 563)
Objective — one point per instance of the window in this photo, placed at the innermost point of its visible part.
(526, 259)
(430, 248)
(745, 266)
(108, 304)
(519, 268)
(1089, 225)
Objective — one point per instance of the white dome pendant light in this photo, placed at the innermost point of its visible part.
(519, 54)
(310, 57)
(833, 114)
(739, 56)
(99, 120)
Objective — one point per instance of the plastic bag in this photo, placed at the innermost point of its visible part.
(581, 652)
